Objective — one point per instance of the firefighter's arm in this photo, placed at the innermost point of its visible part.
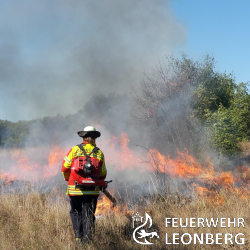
(103, 169)
(66, 165)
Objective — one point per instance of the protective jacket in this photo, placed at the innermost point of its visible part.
(73, 154)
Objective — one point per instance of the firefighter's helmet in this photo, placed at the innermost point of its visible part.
(89, 131)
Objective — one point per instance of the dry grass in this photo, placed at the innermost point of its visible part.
(33, 221)
(42, 222)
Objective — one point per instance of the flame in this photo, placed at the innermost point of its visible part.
(7, 178)
(184, 166)
(54, 161)
(42, 164)
(103, 206)
(126, 154)
(119, 155)
(208, 181)
(28, 166)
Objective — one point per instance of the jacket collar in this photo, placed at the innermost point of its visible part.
(85, 142)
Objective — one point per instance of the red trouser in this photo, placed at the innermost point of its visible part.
(82, 215)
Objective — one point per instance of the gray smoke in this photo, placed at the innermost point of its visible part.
(55, 54)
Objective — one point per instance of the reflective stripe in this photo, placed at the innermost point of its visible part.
(81, 194)
(70, 192)
(82, 155)
(67, 160)
(71, 156)
(73, 191)
(73, 187)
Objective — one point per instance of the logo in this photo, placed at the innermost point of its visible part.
(142, 233)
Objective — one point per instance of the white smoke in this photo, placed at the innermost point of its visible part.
(56, 54)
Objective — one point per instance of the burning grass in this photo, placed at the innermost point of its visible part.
(34, 221)
(30, 164)
(179, 187)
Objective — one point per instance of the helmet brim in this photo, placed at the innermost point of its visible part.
(94, 134)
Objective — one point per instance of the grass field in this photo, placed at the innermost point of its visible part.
(30, 220)
(34, 221)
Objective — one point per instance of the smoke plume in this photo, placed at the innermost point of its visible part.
(55, 54)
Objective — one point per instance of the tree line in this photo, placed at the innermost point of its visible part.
(183, 103)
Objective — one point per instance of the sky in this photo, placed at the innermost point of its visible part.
(220, 28)
(56, 54)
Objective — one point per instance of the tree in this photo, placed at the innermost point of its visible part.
(188, 104)
(231, 125)
(164, 102)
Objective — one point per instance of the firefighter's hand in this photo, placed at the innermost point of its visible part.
(66, 179)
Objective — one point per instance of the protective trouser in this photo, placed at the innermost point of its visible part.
(82, 215)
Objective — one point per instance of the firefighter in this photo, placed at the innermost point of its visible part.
(83, 199)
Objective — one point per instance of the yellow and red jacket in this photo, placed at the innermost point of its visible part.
(74, 153)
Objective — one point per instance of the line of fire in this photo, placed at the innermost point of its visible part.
(182, 175)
